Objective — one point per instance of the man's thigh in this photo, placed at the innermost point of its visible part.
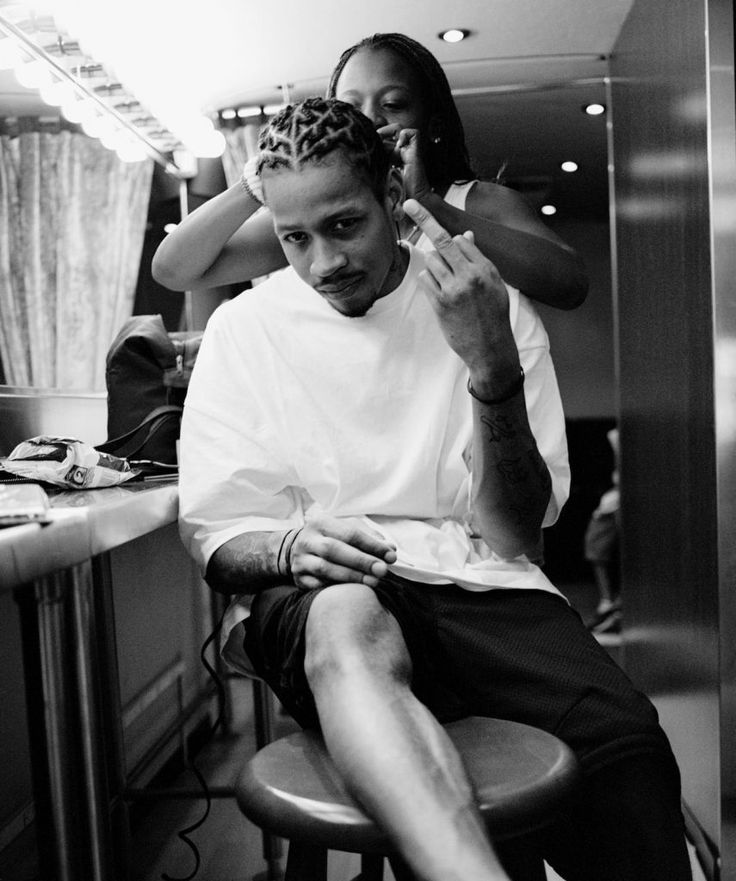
(526, 655)
(276, 639)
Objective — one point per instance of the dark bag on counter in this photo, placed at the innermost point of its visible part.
(147, 375)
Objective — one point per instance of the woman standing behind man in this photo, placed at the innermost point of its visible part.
(401, 87)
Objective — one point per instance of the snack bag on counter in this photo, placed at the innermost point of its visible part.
(66, 462)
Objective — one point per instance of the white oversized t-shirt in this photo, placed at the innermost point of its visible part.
(295, 408)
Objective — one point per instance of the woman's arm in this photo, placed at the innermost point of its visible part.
(529, 256)
(225, 241)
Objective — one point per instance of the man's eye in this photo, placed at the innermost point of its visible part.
(345, 225)
(295, 238)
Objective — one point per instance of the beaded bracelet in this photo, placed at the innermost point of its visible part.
(512, 392)
(251, 182)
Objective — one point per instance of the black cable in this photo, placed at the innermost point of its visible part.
(184, 834)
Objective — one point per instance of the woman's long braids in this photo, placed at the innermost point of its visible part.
(314, 128)
(447, 159)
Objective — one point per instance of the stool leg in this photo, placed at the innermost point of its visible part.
(263, 718)
(306, 862)
(400, 870)
(371, 867)
(521, 861)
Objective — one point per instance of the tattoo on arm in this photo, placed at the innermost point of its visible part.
(245, 564)
(513, 471)
(499, 427)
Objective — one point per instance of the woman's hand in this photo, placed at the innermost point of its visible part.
(328, 550)
(404, 145)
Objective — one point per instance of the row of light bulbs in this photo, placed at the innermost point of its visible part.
(43, 58)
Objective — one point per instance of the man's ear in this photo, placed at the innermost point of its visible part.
(395, 193)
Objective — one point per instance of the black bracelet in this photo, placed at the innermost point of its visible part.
(284, 556)
(511, 393)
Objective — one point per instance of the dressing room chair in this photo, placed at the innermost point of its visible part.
(291, 789)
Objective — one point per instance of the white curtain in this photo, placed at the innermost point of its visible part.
(72, 221)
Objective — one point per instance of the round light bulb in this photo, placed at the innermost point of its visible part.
(77, 111)
(594, 109)
(130, 151)
(454, 35)
(10, 54)
(569, 166)
(93, 126)
(33, 74)
(548, 210)
(58, 93)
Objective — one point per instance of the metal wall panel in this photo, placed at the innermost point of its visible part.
(674, 229)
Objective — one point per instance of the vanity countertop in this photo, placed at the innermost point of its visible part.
(82, 524)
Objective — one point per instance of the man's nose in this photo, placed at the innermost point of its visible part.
(326, 259)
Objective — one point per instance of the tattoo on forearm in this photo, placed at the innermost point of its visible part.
(512, 470)
(499, 427)
(524, 509)
(251, 559)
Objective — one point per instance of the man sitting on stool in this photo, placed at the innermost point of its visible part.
(364, 458)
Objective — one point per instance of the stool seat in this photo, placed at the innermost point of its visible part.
(520, 774)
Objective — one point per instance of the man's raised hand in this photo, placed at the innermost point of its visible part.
(469, 298)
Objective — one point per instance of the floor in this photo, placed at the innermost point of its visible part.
(226, 847)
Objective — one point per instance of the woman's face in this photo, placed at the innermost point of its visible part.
(385, 88)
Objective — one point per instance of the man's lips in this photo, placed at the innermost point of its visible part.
(336, 288)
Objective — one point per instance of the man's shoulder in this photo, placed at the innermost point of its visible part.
(262, 299)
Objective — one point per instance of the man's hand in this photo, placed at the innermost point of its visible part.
(471, 303)
(332, 551)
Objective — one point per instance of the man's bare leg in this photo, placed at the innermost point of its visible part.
(394, 756)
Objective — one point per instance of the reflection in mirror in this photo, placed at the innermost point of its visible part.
(528, 128)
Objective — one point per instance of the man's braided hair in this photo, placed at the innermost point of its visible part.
(447, 159)
(315, 128)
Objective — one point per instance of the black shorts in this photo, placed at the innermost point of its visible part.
(522, 655)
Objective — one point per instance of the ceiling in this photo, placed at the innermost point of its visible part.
(520, 79)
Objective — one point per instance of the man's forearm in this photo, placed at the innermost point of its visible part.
(511, 482)
(247, 563)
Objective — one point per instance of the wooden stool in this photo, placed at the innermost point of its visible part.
(291, 788)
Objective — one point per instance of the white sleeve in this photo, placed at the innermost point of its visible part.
(232, 478)
(543, 402)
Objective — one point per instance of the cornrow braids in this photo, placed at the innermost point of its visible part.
(446, 160)
(314, 128)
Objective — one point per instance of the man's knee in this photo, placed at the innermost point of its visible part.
(349, 632)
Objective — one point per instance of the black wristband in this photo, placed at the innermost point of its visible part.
(511, 393)
(283, 560)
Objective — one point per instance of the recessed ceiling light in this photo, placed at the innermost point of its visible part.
(247, 112)
(569, 166)
(454, 35)
(549, 210)
(230, 113)
(594, 109)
